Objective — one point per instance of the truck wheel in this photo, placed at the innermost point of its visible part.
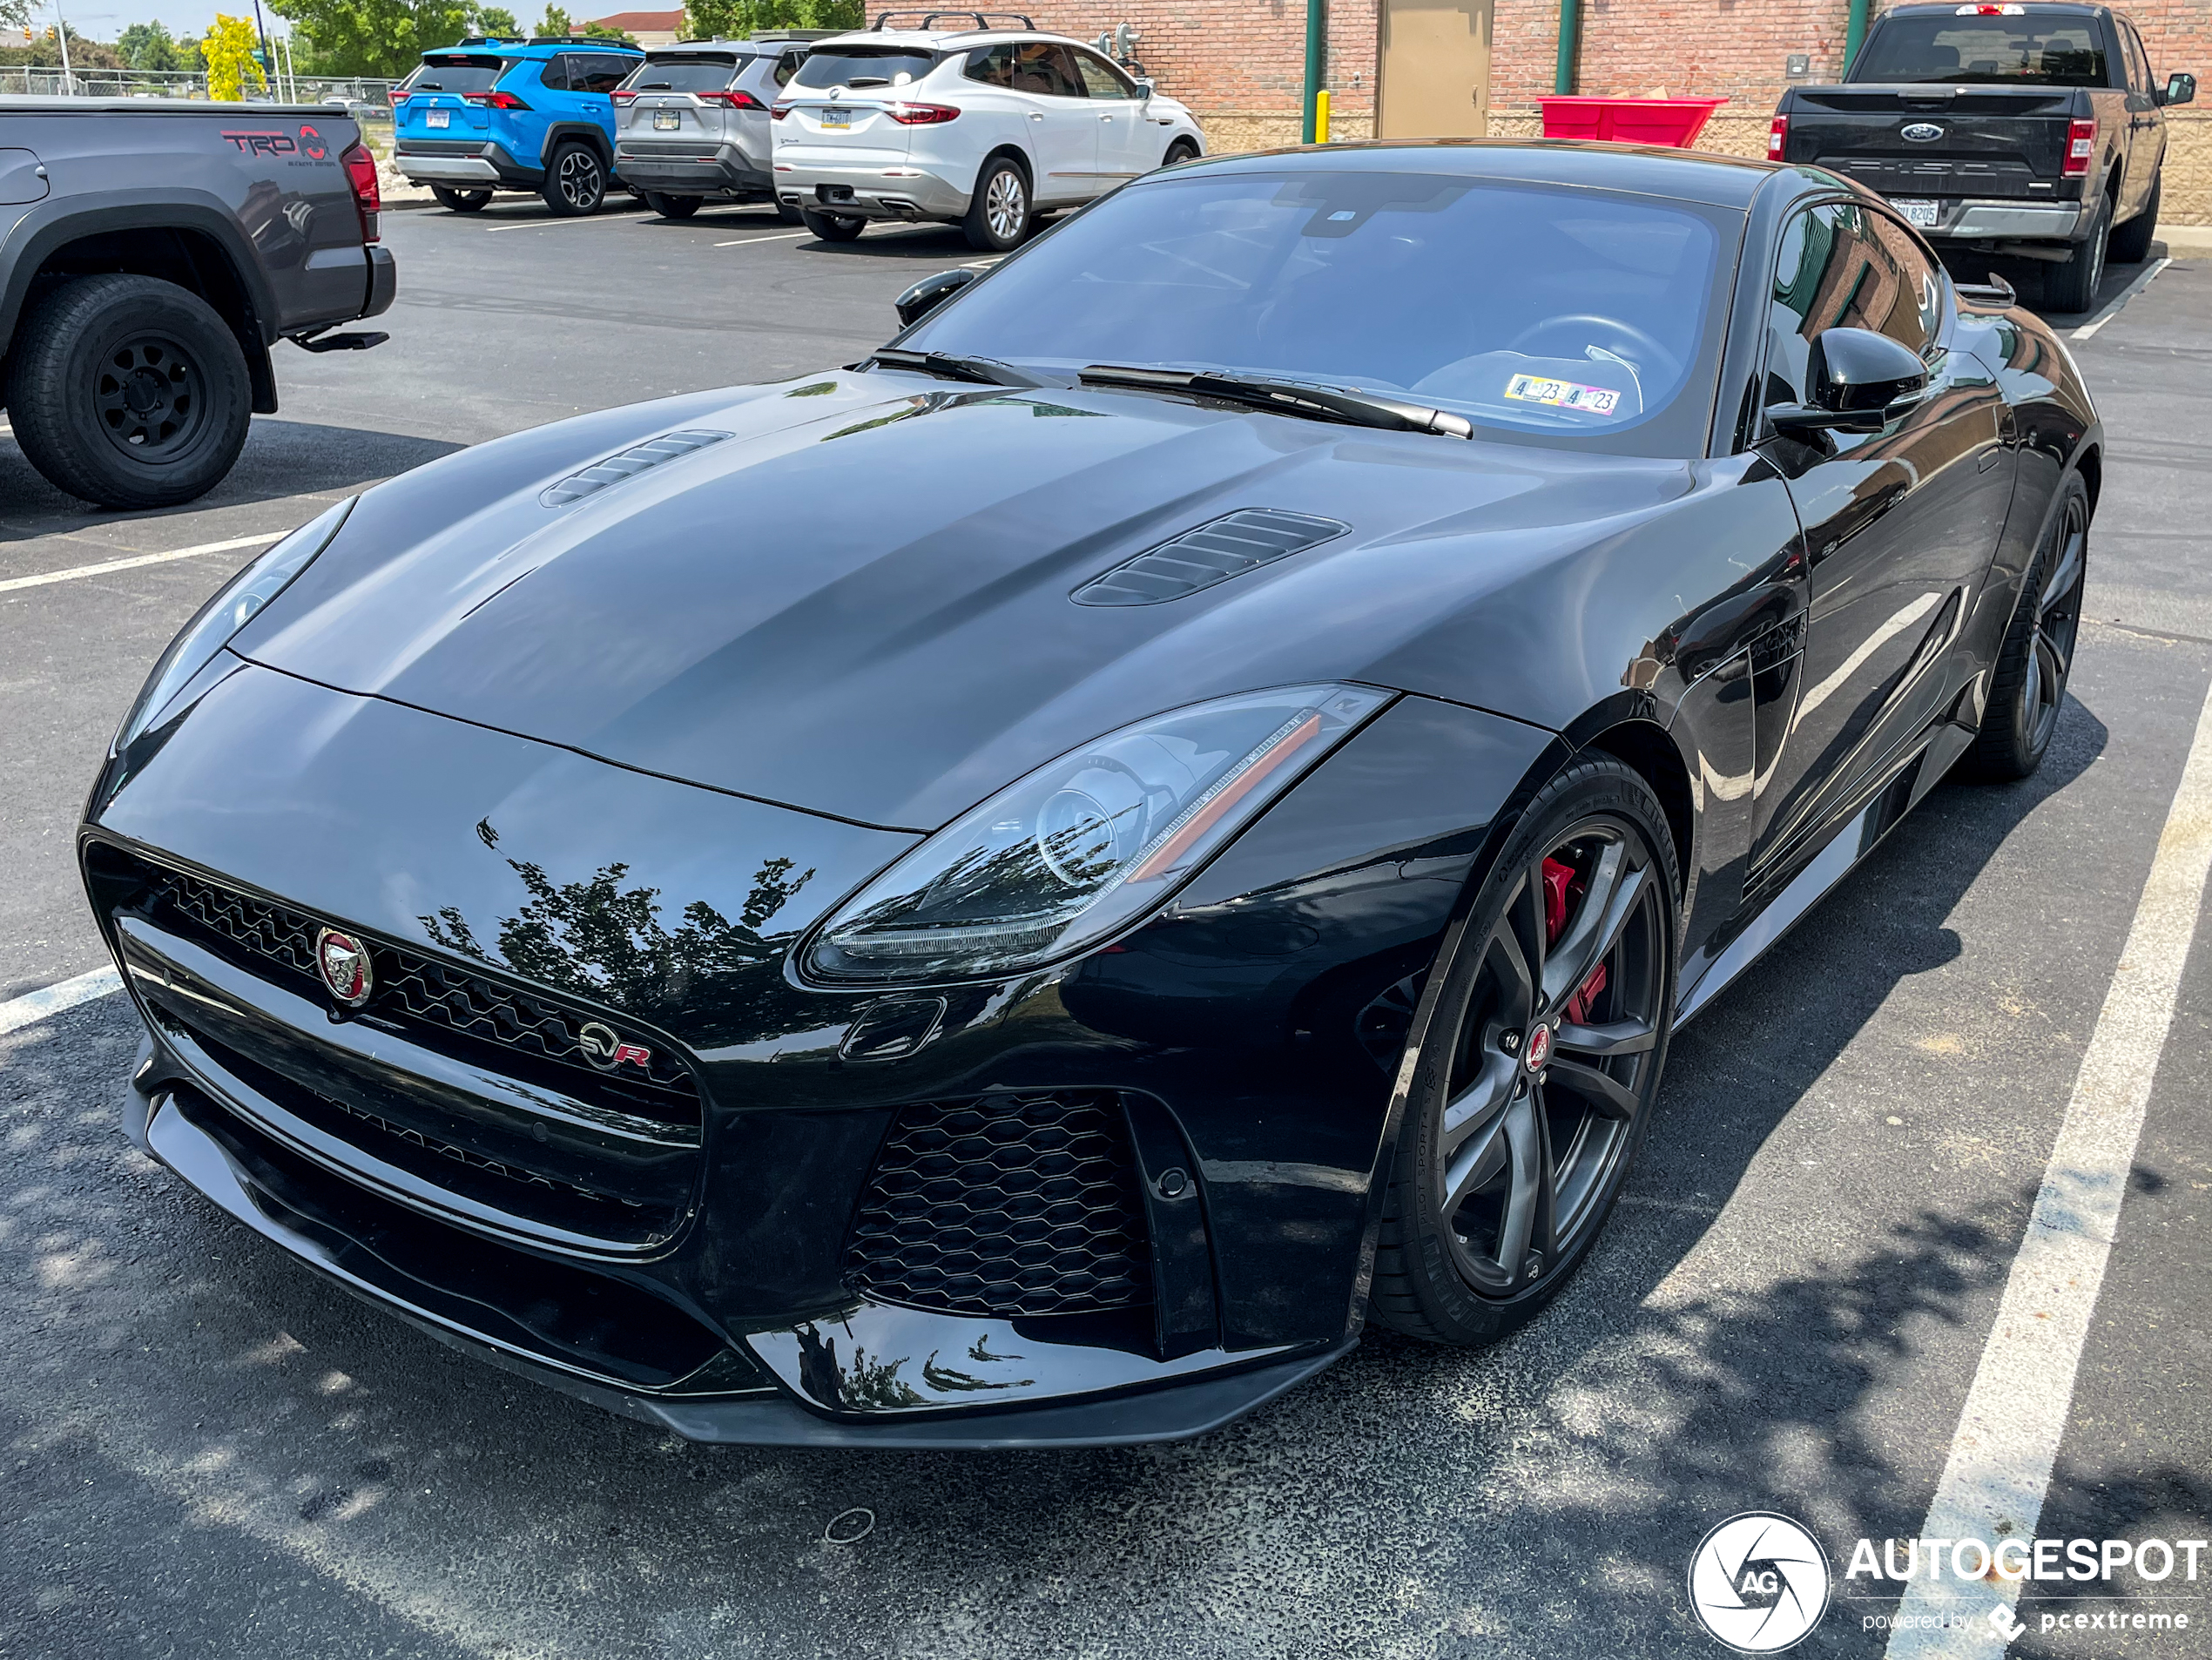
(2131, 242)
(2073, 287)
(576, 181)
(998, 214)
(460, 201)
(128, 391)
(833, 227)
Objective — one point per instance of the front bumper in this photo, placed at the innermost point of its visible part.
(712, 1273)
(896, 193)
(727, 171)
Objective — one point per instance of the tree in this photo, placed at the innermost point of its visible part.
(371, 37)
(230, 46)
(148, 45)
(15, 14)
(495, 22)
(736, 19)
(554, 21)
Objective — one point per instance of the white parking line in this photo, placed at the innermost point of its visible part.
(2008, 1435)
(37, 1005)
(138, 559)
(784, 236)
(2112, 309)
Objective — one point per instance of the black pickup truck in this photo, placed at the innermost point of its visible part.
(151, 252)
(2033, 130)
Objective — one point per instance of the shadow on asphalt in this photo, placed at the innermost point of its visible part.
(281, 458)
(1541, 1497)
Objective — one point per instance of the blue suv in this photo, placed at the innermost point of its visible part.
(491, 114)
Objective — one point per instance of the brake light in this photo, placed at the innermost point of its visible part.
(495, 100)
(1991, 11)
(399, 95)
(2080, 144)
(368, 200)
(1778, 138)
(735, 98)
(922, 115)
(777, 112)
(621, 97)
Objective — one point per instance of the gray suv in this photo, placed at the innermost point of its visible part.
(691, 121)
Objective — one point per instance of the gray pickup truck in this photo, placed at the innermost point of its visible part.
(2033, 130)
(151, 251)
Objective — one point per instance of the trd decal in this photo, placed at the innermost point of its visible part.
(265, 144)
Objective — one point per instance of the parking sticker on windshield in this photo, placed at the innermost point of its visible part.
(1563, 395)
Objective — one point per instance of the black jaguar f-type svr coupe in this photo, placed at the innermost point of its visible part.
(1023, 891)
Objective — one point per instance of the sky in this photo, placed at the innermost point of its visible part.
(106, 19)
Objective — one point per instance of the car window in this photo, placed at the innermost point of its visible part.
(992, 65)
(692, 72)
(601, 72)
(1600, 327)
(1046, 69)
(554, 73)
(456, 75)
(863, 66)
(787, 66)
(1101, 79)
(1844, 266)
(2044, 50)
(2137, 61)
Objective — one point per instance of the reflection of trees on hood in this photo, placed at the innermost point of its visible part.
(607, 942)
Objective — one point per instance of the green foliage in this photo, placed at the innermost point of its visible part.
(735, 19)
(386, 38)
(15, 14)
(554, 21)
(495, 20)
(230, 46)
(149, 45)
(600, 31)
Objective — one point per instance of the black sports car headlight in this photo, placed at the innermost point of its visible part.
(1081, 848)
(218, 621)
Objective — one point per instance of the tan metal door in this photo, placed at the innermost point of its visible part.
(1434, 75)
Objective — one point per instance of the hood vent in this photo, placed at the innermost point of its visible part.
(668, 447)
(1228, 547)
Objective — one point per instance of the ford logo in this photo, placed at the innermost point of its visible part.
(1922, 132)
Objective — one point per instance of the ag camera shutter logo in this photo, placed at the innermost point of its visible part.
(1759, 1583)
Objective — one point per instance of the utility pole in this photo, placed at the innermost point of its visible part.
(61, 34)
(1317, 57)
(1570, 42)
(1854, 32)
(268, 64)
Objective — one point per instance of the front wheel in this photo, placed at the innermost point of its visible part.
(1180, 151)
(1537, 1045)
(998, 214)
(2027, 685)
(460, 201)
(2073, 287)
(576, 181)
(833, 227)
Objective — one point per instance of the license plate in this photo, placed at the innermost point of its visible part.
(837, 118)
(666, 120)
(437, 118)
(1922, 214)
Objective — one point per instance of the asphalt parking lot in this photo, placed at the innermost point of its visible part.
(204, 1450)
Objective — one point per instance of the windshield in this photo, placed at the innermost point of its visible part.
(455, 75)
(863, 66)
(695, 73)
(2031, 51)
(1525, 309)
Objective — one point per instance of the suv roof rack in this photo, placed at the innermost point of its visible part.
(542, 40)
(930, 18)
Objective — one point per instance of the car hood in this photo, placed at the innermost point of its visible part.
(859, 601)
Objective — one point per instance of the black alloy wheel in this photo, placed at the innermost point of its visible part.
(576, 181)
(1536, 1064)
(2028, 688)
(128, 391)
(833, 228)
(460, 201)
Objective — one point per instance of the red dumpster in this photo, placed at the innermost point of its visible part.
(1669, 121)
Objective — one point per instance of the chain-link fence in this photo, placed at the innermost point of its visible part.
(366, 98)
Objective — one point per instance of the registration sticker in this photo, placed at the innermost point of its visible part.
(1563, 395)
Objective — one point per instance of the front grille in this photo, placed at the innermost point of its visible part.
(1007, 1204)
(437, 1005)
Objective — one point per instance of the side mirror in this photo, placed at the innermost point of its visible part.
(2181, 87)
(929, 294)
(1144, 86)
(1856, 379)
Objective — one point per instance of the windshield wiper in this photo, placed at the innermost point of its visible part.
(951, 365)
(1286, 397)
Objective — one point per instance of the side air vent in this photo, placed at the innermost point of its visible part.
(1228, 547)
(668, 447)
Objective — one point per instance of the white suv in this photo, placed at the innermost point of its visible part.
(984, 128)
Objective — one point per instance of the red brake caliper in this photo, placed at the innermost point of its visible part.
(1562, 888)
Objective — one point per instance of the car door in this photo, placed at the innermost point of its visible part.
(1063, 131)
(1900, 525)
(1125, 147)
(2144, 121)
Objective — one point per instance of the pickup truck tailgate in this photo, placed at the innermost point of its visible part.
(1988, 141)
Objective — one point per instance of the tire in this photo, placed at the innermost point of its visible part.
(1536, 1064)
(460, 201)
(2028, 687)
(2130, 243)
(787, 213)
(673, 207)
(652, 198)
(128, 391)
(2073, 287)
(999, 213)
(1180, 151)
(833, 227)
(576, 179)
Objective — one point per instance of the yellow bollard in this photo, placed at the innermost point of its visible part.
(1321, 116)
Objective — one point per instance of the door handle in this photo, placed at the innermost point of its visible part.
(1105, 118)
(1036, 115)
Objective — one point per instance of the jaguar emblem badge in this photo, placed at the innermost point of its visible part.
(343, 962)
(1921, 132)
(604, 1048)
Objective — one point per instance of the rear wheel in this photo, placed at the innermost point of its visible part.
(2131, 242)
(2028, 685)
(2073, 287)
(673, 207)
(1535, 1074)
(833, 227)
(128, 391)
(576, 181)
(460, 201)
(999, 213)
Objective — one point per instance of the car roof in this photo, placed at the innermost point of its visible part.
(497, 43)
(1645, 170)
(938, 39)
